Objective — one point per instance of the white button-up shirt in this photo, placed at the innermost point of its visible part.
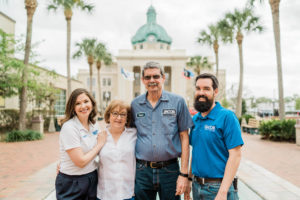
(73, 135)
(116, 174)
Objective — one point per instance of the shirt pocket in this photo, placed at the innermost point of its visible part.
(169, 123)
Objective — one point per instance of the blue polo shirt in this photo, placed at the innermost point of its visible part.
(211, 138)
(158, 128)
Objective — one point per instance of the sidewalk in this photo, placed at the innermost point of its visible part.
(27, 169)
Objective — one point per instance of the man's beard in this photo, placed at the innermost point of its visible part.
(203, 106)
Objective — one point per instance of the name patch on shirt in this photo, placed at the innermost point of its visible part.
(210, 128)
(171, 112)
(140, 114)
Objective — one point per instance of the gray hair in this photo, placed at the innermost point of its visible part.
(153, 65)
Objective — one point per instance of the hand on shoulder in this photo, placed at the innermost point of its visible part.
(102, 136)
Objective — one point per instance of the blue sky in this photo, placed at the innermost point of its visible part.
(114, 22)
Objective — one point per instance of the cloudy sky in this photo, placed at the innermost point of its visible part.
(114, 22)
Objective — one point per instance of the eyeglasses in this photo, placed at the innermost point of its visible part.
(116, 114)
(154, 77)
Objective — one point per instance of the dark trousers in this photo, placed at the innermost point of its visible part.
(149, 181)
(79, 187)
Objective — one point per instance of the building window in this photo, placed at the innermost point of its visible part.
(141, 46)
(168, 75)
(161, 46)
(93, 82)
(106, 95)
(137, 78)
(108, 82)
(60, 103)
(2, 102)
(104, 82)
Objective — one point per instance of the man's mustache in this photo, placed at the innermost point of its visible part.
(201, 96)
(152, 84)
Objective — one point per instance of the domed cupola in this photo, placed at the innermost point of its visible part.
(151, 33)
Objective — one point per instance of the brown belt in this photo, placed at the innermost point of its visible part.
(157, 165)
(207, 180)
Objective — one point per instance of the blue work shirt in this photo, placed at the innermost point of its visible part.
(211, 138)
(158, 128)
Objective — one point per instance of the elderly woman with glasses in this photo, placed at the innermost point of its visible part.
(116, 174)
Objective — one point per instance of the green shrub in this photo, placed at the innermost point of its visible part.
(27, 135)
(9, 119)
(278, 130)
(247, 117)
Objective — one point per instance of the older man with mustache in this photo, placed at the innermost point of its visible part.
(162, 120)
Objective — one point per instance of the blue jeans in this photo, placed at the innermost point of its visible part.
(149, 181)
(209, 191)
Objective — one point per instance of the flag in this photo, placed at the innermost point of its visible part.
(127, 75)
(187, 74)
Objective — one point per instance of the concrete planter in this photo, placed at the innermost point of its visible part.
(297, 126)
(38, 124)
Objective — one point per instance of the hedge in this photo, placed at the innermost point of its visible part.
(278, 130)
(27, 135)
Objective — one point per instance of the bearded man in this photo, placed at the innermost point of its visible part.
(216, 140)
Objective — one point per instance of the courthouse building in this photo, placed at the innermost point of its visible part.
(151, 42)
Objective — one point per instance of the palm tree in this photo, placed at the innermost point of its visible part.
(238, 22)
(274, 4)
(101, 55)
(212, 37)
(30, 6)
(68, 6)
(87, 47)
(198, 63)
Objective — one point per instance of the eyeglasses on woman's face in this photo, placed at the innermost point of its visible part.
(116, 114)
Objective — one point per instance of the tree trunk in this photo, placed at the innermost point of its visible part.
(91, 62)
(30, 7)
(68, 15)
(238, 111)
(99, 85)
(216, 50)
(276, 29)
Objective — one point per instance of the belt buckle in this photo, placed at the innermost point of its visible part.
(151, 165)
(202, 181)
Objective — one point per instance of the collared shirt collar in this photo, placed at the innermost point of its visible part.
(212, 114)
(163, 97)
(80, 126)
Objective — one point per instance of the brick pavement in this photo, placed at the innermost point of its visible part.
(281, 158)
(21, 159)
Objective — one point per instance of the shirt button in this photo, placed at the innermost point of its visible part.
(153, 122)
(154, 146)
(153, 133)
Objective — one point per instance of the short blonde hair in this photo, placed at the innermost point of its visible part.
(120, 105)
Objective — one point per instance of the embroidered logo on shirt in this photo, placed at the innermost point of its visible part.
(95, 132)
(171, 112)
(84, 136)
(210, 128)
(141, 114)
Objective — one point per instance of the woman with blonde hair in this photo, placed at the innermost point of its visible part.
(116, 172)
(79, 144)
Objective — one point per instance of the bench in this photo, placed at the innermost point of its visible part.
(251, 127)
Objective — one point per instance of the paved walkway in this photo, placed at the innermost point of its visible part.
(281, 158)
(27, 169)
